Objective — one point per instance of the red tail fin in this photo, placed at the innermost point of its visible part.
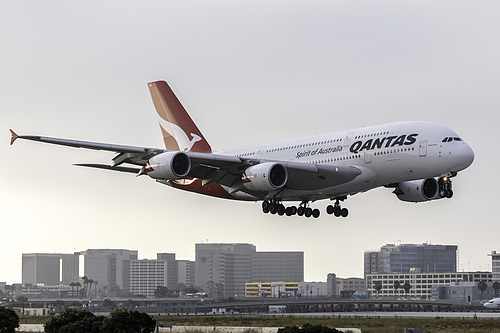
(178, 129)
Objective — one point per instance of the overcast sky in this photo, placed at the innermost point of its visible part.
(248, 72)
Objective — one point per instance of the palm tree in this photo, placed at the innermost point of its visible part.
(496, 286)
(85, 283)
(90, 282)
(407, 287)
(481, 285)
(28, 285)
(95, 288)
(397, 285)
(377, 285)
(72, 285)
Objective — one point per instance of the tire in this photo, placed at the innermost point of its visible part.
(300, 211)
(336, 211)
(272, 209)
(315, 213)
(329, 209)
(308, 212)
(344, 212)
(265, 205)
(281, 210)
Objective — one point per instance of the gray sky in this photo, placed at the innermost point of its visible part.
(248, 73)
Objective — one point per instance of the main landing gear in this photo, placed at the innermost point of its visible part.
(274, 206)
(336, 209)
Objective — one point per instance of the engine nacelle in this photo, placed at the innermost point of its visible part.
(169, 166)
(265, 177)
(418, 190)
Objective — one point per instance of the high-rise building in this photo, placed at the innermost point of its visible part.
(109, 267)
(146, 275)
(415, 258)
(230, 266)
(70, 268)
(172, 278)
(495, 265)
(186, 272)
(41, 268)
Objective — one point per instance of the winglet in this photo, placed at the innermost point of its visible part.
(13, 138)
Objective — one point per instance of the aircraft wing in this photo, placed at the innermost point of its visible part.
(126, 154)
(211, 168)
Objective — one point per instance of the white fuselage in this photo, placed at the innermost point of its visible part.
(386, 154)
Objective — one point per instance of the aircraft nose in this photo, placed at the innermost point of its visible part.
(467, 156)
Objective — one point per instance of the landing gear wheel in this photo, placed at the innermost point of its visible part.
(300, 211)
(315, 213)
(308, 212)
(344, 212)
(273, 209)
(281, 210)
(336, 211)
(450, 194)
(330, 209)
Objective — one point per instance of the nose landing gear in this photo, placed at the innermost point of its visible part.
(445, 188)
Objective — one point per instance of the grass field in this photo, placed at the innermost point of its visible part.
(367, 325)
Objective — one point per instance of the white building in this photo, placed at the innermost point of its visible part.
(421, 284)
(146, 275)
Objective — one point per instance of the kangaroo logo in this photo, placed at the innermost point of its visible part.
(183, 141)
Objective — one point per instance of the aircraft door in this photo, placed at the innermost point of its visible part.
(422, 149)
(368, 157)
(348, 139)
(261, 151)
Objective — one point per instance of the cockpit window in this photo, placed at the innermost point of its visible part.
(449, 139)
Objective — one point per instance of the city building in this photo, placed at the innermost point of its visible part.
(186, 272)
(416, 258)
(41, 268)
(495, 265)
(271, 289)
(312, 289)
(230, 266)
(109, 267)
(421, 284)
(147, 275)
(343, 287)
(172, 279)
(464, 292)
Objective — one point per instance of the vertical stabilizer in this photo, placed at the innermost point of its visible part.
(178, 129)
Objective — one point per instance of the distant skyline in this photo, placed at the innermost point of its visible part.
(362, 259)
(248, 73)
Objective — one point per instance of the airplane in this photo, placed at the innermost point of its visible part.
(493, 304)
(417, 159)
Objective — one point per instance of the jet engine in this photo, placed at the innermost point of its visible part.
(418, 190)
(265, 177)
(170, 165)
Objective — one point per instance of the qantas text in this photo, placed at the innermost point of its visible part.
(389, 141)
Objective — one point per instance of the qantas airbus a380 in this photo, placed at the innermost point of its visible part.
(417, 159)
